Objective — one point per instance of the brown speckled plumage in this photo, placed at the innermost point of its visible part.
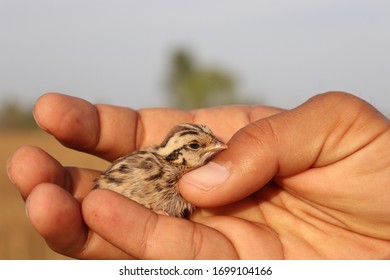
(150, 176)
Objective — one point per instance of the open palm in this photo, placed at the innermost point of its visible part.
(312, 182)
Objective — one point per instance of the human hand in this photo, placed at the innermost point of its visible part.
(244, 219)
(329, 165)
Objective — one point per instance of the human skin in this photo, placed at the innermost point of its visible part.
(306, 183)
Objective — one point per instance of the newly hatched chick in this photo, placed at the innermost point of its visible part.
(150, 176)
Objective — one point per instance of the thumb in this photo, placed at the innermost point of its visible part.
(281, 145)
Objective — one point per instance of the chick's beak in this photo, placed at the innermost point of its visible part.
(219, 146)
(213, 150)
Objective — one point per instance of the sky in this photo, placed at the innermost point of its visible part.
(282, 52)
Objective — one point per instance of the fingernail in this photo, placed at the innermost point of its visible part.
(37, 122)
(208, 176)
(8, 169)
(26, 208)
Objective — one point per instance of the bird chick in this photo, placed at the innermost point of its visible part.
(150, 176)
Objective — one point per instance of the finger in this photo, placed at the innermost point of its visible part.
(56, 216)
(78, 124)
(147, 235)
(25, 169)
(30, 166)
(102, 130)
(317, 133)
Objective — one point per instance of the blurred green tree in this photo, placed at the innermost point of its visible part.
(193, 87)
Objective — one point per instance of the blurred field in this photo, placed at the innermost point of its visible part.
(18, 240)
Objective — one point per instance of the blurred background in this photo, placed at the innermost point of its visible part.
(180, 53)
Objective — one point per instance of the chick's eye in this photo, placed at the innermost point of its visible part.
(194, 146)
